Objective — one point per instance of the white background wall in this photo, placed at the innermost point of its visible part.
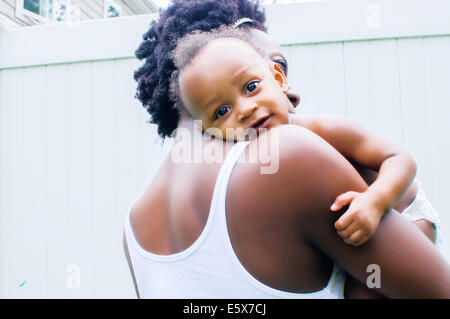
(76, 150)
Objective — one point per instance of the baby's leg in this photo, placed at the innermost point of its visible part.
(422, 214)
(427, 228)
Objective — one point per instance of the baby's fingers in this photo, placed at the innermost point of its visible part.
(344, 221)
(355, 238)
(348, 231)
(342, 200)
(363, 240)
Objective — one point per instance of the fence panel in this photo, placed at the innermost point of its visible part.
(76, 150)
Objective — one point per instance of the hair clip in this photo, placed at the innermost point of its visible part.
(242, 21)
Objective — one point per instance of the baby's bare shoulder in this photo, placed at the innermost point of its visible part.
(326, 125)
(314, 123)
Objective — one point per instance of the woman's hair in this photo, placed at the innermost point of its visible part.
(180, 18)
(189, 46)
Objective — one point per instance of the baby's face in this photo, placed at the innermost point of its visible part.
(275, 53)
(229, 85)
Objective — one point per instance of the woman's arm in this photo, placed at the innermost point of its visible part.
(411, 267)
(396, 170)
(353, 288)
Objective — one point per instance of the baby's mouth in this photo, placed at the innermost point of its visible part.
(262, 123)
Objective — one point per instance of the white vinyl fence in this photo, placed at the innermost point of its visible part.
(76, 150)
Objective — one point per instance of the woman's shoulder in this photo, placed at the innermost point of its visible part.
(293, 164)
(294, 145)
(288, 148)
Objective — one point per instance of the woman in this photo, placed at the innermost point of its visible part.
(289, 251)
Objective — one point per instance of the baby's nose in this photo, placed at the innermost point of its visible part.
(246, 110)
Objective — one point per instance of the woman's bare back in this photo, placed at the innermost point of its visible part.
(173, 211)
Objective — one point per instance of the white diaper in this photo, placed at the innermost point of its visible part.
(421, 208)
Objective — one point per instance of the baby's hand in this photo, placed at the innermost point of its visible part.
(361, 219)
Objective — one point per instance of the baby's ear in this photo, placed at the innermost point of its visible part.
(279, 76)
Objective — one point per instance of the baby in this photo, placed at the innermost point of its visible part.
(226, 81)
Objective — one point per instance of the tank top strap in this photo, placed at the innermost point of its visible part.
(223, 177)
(220, 185)
(335, 286)
(231, 160)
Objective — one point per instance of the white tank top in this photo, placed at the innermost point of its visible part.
(209, 268)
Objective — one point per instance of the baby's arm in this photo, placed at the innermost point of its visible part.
(396, 170)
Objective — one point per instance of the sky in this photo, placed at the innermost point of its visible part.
(164, 3)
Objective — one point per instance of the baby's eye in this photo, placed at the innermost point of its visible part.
(221, 111)
(251, 87)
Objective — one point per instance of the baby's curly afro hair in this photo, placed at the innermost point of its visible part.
(179, 19)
